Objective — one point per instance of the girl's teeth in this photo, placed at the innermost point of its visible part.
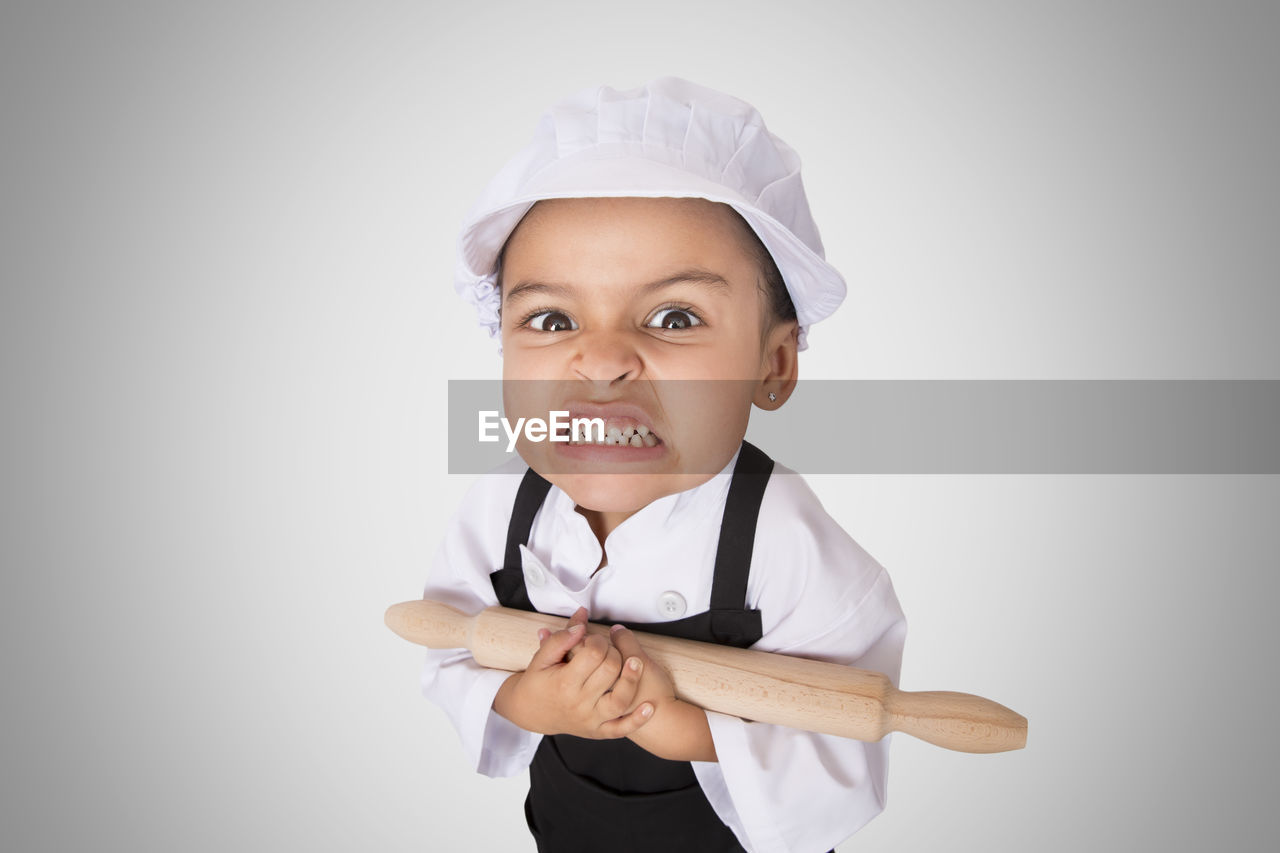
(629, 435)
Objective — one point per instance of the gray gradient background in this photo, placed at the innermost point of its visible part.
(227, 326)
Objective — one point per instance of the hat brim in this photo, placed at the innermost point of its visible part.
(816, 287)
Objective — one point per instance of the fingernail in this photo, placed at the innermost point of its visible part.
(634, 663)
(646, 711)
(577, 629)
(616, 628)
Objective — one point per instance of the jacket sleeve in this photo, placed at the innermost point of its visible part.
(451, 678)
(784, 790)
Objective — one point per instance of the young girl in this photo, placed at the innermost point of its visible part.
(649, 260)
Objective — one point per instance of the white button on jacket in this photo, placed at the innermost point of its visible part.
(820, 595)
(671, 605)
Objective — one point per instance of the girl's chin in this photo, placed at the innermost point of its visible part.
(623, 493)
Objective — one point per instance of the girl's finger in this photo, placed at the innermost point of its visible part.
(623, 726)
(598, 682)
(617, 701)
(626, 642)
(555, 646)
(587, 658)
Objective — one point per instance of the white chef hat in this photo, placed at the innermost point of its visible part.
(670, 137)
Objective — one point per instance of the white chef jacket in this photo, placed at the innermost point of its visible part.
(819, 593)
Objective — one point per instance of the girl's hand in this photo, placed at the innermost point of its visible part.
(591, 695)
(678, 731)
(655, 685)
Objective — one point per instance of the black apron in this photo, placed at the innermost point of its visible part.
(586, 795)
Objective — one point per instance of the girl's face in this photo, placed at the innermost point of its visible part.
(645, 312)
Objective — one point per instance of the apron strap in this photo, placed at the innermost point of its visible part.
(731, 624)
(508, 582)
(738, 527)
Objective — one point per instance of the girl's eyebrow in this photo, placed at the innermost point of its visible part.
(703, 278)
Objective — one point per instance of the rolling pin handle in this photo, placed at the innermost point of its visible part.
(430, 623)
(958, 721)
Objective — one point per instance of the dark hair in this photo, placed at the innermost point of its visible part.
(778, 305)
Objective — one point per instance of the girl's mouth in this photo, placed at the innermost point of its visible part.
(618, 432)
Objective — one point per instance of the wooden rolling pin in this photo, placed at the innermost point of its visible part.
(816, 696)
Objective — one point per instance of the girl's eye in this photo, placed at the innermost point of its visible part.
(674, 318)
(551, 321)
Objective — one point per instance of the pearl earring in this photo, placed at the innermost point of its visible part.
(772, 397)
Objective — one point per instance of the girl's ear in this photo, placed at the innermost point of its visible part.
(779, 366)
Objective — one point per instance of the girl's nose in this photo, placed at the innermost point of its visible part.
(606, 356)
